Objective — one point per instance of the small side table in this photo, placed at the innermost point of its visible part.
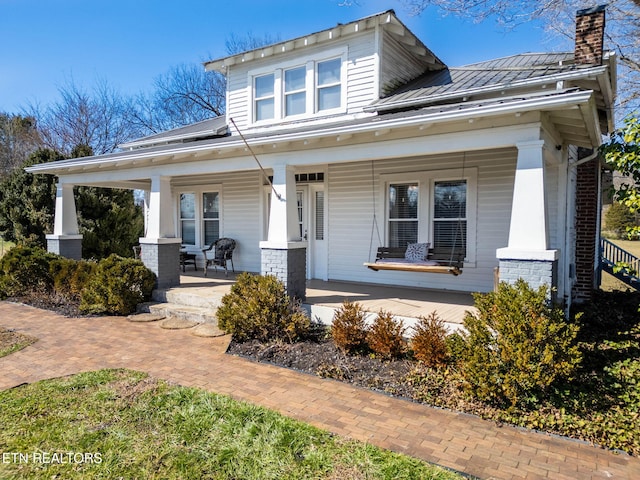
(187, 258)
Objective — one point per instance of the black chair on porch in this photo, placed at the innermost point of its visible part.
(222, 253)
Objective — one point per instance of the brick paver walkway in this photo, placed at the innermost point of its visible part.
(458, 441)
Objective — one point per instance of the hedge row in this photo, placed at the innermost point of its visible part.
(114, 285)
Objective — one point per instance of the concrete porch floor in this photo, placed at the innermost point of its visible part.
(324, 297)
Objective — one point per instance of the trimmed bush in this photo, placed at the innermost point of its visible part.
(386, 336)
(349, 329)
(117, 287)
(25, 270)
(518, 346)
(70, 277)
(259, 308)
(429, 340)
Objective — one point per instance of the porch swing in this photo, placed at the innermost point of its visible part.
(417, 257)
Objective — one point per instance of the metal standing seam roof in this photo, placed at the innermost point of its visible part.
(503, 71)
(210, 128)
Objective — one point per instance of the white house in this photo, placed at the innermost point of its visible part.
(359, 136)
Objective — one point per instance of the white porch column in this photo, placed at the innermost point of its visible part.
(527, 255)
(160, 248)
(284, 252)
(161, 224)
(528, 227)
(283, 219)
(65, 240)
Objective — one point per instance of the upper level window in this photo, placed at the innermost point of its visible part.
(295, 93)
(265, 97)
(298, 90)
(328, 84)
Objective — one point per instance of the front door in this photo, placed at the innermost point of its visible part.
(311, 220)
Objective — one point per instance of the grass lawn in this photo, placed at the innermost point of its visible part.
(11, 341)
(123, 424)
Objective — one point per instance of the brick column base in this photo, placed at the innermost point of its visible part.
(535, 272)
(69, 246)
(162, 257)
(288, 264)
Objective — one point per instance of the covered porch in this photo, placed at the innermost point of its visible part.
(324, 297)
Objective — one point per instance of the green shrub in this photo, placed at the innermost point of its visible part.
(259, 308)
(518, 345)
(24, 271)
(386, 336)
(456, 347)
(117, 287)
(348, 328)
(429, 340)
(70, 277)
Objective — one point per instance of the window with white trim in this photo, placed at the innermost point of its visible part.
(199, 217)
(188, 218)
(295, 92)
(210, 217)
(435, 207)
(264, 94)
(328, 84)
(298, 90)
(450, 217)
(403, 214)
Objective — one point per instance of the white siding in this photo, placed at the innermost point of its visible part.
(398, 66)
(360, 75)
(351, 189)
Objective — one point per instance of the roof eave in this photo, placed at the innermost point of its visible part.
(388, 17)
(574, 99)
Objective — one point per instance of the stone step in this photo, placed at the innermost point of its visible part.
(186, 312)
(193, 297)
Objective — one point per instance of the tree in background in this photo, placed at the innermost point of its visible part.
(185, 94)
(18, 139)
(27, 202)
(558, 18)
(108, 218)
(100, 119)
(622, 153)
(618, 220)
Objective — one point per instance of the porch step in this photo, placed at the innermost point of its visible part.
(184, 312)
(193, 297)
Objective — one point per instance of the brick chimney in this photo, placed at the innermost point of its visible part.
(589, 35)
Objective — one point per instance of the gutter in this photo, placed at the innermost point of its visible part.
(559, 101)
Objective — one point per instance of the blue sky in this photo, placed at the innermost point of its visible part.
(127, 43)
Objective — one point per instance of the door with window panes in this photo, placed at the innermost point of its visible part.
(310, 201)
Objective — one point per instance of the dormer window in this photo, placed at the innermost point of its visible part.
(299, 89)
(265, 97)
(295, 93)
(329, 84)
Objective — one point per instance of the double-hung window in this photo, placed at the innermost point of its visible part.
(295, 92)
(450, 217)
(403, 214)
(211, 216)
(199, 220)
(188, 218)
(328, 86)
(435, 207)
(264, 97)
